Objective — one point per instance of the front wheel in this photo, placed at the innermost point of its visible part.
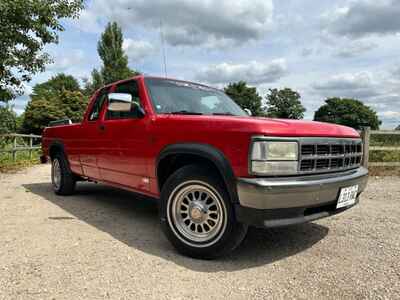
(62, 179)
(197, 215)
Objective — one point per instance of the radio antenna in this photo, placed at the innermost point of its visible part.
(163, 48)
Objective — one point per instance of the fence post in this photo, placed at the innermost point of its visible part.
(14, 150)
(365, 134)
(30, 147)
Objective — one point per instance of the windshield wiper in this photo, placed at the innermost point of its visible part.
(223, 114)
(185, 112)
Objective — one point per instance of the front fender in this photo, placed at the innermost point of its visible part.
(208, 152)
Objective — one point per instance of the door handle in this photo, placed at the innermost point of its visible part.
(102, 127)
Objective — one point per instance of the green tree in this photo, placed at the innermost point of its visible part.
(26, 26)
(19, 122)
(115, 61)
(55, 85)
(397, 128)
(8, 120)
(95, 83)
(41, 111)
(245, 97)
(348, 112)
(59, 97)
(38, 114)
(284, 103)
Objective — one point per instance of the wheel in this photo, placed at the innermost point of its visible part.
(62, 179)
(197, 216)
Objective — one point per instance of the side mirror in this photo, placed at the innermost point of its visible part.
(248, 111)
(119, 102)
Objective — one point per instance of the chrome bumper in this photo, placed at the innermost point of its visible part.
(289, 192)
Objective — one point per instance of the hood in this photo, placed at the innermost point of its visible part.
(263, 126)
(285, 127)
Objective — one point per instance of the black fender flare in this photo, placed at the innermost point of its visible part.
(59, 145)
(207, 152)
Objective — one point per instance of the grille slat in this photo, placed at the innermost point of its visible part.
(323, 149)
(322, 164)
(337, 149)
(307, 165)
(331, 156)
(308, 150)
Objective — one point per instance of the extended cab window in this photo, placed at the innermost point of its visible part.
(98, 104)
(129, 87)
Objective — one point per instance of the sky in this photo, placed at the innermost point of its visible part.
(319, 48)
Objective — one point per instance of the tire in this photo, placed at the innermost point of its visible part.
(197, 216)
(62, 178)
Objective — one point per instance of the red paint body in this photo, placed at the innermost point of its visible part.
(125, 153)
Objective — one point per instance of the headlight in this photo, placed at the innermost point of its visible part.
(274, 158)
(275, 151)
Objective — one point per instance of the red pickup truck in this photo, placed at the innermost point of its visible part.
(214, 169)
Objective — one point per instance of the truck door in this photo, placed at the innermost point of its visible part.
(126, 143)
(91, 140)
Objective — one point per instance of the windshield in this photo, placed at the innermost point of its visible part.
(176, 97)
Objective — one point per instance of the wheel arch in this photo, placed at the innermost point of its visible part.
(175, 156)
(56, 146)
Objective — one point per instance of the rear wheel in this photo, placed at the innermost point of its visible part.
(197, 215)
(62, 179)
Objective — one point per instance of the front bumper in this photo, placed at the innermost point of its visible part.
(274, 202)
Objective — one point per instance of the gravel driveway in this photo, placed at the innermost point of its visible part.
(106, 243)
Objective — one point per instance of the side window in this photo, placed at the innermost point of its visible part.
(129, 87)
(98, 104)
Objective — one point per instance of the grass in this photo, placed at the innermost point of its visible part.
(385, 140)
(384, 156)
(23, 161)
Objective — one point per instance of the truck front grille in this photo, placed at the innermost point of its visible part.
(329, 155)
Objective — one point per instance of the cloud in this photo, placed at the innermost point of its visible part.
(384, 104)
(391, 114)
(358, 85)
(396, 72)
(390, 117)
(355, 49)
(89, 21)
(253, 72)
(364, 18)
(63, 61)
(20, 102)
(137, 50)
(190, 22)
(374, 91)
(306, 52)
